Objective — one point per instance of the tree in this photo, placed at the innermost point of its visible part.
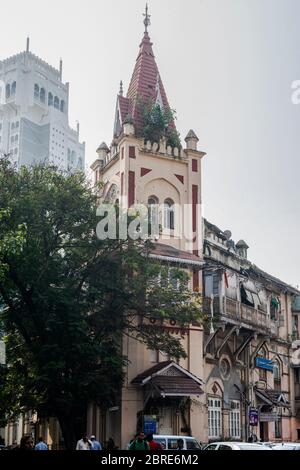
(69, 299)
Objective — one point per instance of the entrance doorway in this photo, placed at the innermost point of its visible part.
(264, 431)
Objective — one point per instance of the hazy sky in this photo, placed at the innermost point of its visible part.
(227, 66)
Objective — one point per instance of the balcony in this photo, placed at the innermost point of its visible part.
(231, 311)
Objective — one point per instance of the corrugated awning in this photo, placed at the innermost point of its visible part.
(170, 379)
(272, 397)
(168, 386)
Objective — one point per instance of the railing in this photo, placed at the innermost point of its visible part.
(241, 313)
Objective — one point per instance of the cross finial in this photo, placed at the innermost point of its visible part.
(147, 19)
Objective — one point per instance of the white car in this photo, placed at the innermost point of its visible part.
(287, 446)
(171, 442)
(235, 446)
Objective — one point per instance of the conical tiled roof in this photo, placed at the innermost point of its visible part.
(145, 85)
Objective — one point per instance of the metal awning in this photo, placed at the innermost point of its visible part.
(168, 379)
(272, 398)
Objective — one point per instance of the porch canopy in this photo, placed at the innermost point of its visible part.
(169, 379)
(272, 398)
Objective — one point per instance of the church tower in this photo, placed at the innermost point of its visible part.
(147, 164)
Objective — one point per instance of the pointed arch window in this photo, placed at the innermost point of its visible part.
(13, 88)
(42, 95)
(169, 219)
(50, 99)
(153, 215)
(277, 376)
(7, 91)
(36, 91)
(62, 106)
(56, 103)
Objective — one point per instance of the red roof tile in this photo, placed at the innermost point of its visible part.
(160, 249)
(145, 81)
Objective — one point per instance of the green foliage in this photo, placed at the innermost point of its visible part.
(157, 123)
(70, 298)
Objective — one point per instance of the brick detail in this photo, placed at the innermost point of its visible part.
(144, 171)
(131, 151)
(180, 178)
(194, 204)
(131, 188)
(122, 184)
(195, 280)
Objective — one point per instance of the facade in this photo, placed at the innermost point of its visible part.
(34, 105)
(165, 395)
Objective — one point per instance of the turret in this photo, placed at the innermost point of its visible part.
(191, 140)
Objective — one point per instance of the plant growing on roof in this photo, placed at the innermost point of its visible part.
(157, 123)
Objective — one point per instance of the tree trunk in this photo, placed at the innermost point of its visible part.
(68, 429)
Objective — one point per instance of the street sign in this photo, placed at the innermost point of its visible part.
(264, 363)
(150, 424)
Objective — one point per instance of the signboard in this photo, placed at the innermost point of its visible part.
(264, 363)
(150, 424)
(268, 417)
(253, 417)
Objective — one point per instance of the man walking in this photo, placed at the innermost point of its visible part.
(41, 445)
(95, 444)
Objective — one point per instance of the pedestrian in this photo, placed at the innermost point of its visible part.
(41, 445)
(179, 444)
(154, 445)
(139, 443)
(95, 444)
(110, 444)
(26, 443)
(84, 443)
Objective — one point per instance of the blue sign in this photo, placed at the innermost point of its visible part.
(264, 363)
(253, 417)
(150, 424)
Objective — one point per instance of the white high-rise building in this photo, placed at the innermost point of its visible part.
(34, 124)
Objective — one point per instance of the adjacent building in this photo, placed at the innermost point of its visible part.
(34, 105)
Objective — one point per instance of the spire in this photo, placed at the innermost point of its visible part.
(146, 83)
(27, 44)
(121, 88)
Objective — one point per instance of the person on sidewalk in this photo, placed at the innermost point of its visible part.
(84, 444)
(41, 445)
(139, 443)
(95, 444)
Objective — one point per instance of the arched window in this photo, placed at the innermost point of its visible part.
(36, 91)
(43, 95)
(277, 376)
(274, 308)
(263, 372)
(169, 214)
(153, 214)
(80, 163)
(62, 106)
(50, 99)
(7, 91)
(56, 103)
(13, 88)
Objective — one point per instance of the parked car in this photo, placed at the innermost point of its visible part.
(171, 442)
(236, 446)
(287, 446)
